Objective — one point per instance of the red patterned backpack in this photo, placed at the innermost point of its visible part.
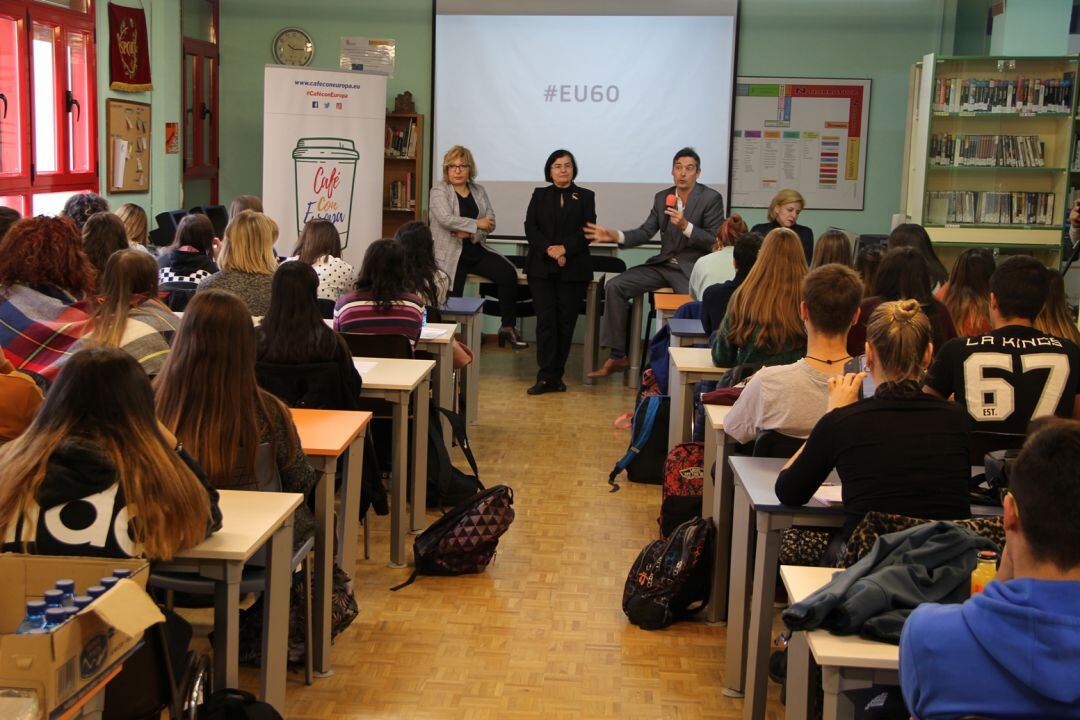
(464, 540)
(684, 477)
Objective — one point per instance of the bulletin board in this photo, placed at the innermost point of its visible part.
(806, 134)
(128, 151)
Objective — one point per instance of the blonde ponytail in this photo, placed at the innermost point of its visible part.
(900, 333)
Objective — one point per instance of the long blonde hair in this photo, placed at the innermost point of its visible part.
(134, 219)
(249, 244)
(130, 279)
(104, 396)
(900, 333)
(767, 302)
(1055, 318)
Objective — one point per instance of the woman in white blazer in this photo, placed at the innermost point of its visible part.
(461, 218)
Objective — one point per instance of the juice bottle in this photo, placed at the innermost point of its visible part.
(985, 571)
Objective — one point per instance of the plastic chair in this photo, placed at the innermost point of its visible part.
(176, 295)
(265, 478)
(773, 444)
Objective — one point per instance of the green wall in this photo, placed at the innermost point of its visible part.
(162, 21)
(249, 26)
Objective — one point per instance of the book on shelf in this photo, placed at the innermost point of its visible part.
(1000, 95)
(951, 150)
(401, 143)
(990, 208)
(402, 193)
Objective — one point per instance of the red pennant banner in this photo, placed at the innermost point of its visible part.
(129, 49)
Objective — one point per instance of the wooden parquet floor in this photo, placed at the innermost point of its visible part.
(541, 633)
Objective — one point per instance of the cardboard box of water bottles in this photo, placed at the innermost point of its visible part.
(61, 661)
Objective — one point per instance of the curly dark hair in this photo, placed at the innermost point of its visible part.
(46, 251)
(80, 207)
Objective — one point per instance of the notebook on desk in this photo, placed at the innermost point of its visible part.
(827, 496)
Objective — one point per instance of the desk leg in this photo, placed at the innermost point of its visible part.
(742, 545)
(681, 396)
(834, 682)
(592, 331)
(420, 458)
(443, 382)
(400, 473)
(227, 627)
(720, 508)
(275, 631)
(350, 506)
(324, 565)
(633, 378)
(761, 614)
(800, 701)
(472, 372)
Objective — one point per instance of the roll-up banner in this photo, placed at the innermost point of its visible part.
(323, 134)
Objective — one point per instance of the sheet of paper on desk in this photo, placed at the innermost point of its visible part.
(828, 495)
(364, 366)
(430, 333)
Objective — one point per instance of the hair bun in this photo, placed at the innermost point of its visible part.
(906, 309)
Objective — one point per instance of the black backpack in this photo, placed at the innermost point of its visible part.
(644, 459)
(446, 485)
(670, 578)
(230, 704)
(464, 540)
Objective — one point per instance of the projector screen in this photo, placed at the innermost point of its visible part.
(623, 92)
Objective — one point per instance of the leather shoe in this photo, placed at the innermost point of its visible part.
(542, 387)
(610, 367)
(510, 336)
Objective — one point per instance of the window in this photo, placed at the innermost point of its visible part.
(48, 132)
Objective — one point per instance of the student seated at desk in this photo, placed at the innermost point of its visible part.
(247, 261)
(1015, 373)
(382, 302)
(320, 247)
(128, 314)
(901, 451)
(715, 298)
(1012, 651)
(97, 447)
(718, 266)
(190, 258)
(293, 331)
(426, 280)
(762, 322)
(967, 293)
(790, 399)
(103, 234)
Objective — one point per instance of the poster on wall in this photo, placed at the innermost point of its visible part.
(801, 133)
(323, 154)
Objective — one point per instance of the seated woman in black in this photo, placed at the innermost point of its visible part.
(293, 332)
(900, 451)
(784, 211)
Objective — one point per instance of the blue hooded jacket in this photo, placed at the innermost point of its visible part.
(1012, 651)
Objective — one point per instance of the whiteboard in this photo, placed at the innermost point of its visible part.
(806, 134)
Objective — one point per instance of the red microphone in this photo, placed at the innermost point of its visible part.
(671, 200)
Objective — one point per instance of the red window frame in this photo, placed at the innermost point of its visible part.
(206, 161)
(29, 181)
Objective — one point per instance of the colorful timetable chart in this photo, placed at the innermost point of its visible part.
(800, 133)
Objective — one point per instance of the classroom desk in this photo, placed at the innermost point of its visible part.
(686, 332)
(687, 366)
(848, 662)
(466, 311)
(438, 339)
(637, 313)
(325, 435)
(666, 304)
(396, 381)
(251, 519)
(716, 502)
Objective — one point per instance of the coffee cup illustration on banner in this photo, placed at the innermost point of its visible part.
(325, 173)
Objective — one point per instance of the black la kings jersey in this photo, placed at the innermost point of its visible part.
(1008, 377)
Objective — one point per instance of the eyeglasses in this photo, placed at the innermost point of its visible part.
(563, 166)
(458, 167)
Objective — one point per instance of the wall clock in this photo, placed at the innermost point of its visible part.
(293, 46)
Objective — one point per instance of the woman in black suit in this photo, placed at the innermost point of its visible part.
(784, 211)
(559, 268)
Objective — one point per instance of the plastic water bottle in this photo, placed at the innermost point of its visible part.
(53, 598)
(68, 588)
(35, 617)
(95, 591)
(425, 317)
(121, 573)
(82, 601)
(108, 582)
(55, 617)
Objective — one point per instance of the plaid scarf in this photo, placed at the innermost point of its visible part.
(38, 326)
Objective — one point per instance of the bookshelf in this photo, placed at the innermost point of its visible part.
(990, 153)
(403, 160)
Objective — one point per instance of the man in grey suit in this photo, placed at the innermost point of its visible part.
(687, 217)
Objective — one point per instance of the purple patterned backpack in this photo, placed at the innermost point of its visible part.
(464, 540)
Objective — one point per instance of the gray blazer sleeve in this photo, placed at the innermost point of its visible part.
(441, 210)
(703, 236)
(650, 227)
(484, 206)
